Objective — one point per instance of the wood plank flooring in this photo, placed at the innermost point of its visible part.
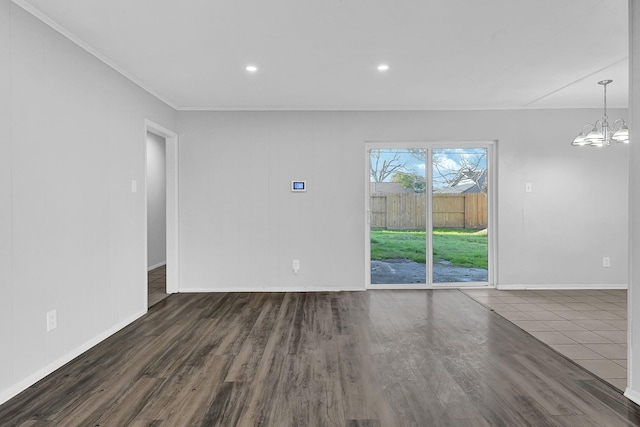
(156, 285)
(375, 358)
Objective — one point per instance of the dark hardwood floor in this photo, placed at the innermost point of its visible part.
(156, 285)
(375, 358)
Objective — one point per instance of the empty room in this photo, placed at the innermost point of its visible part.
(338, 213)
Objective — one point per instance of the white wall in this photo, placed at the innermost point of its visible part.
(6, 291)
(75, 142)
(633, 365)
(241, 226)
(156, 201)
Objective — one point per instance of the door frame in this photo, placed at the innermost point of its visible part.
(171, 159)
(492, 213)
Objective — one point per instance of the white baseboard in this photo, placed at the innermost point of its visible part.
(422, 286)
(265, 289)
(632, 395)
(153, 267)
(37, 376)
(539, 287)
(552, 287)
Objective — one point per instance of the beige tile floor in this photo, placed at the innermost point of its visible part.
(587, 326)
(157, 285)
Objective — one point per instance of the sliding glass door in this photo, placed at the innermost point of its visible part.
(428, 214)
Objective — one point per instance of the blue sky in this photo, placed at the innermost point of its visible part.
(449, 161)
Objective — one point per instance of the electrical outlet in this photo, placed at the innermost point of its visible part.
(296, 265)
(52, 320)
(606, 262)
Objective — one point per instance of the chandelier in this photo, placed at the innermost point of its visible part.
(600, 134)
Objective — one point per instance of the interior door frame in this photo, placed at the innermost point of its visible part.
(171, 158)
(492, 214)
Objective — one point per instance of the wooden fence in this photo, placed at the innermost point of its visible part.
(407, 211)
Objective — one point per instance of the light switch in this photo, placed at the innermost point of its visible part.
(134, 186)
(528, 187)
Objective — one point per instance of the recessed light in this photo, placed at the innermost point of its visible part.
(251, 68)
(383, 67)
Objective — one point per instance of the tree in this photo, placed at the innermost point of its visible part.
(418, 153)
(382, 167)
(451, 168)
(410, 180)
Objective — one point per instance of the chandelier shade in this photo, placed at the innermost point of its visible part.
(600, 134)
(622, 135)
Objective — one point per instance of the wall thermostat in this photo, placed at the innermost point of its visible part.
(298, 186)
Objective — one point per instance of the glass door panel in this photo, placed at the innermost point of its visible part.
(459, 215)
(398, 215)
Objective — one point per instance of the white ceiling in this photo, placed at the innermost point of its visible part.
(323, 54)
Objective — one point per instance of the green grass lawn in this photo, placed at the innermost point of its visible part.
(460, 246)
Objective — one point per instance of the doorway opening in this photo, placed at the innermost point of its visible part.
(430, 214)
(161, 192)
(156, 219)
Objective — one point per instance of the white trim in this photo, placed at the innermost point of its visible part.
(153, 267)
(341, 108)
(492, 214)
(564, 286)
(367, 216)
(428, 163)
(40, 374)
(88, 48)
(173, 232)
(633, 223)
(432, 286)
(632, 395)
(630, 365)
(269, 289)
